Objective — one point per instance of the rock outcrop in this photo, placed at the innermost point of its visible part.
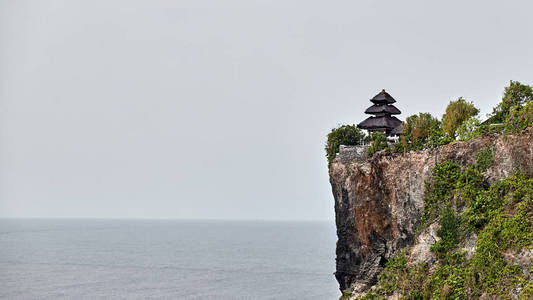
(379, 202)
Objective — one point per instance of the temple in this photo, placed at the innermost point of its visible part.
(382, 121)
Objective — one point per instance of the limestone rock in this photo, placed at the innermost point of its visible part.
(379, 202)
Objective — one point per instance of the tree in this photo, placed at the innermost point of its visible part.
(520, 119)
(417, 130)
(515, 95)
(469, 129)
(343, 135)
(456, 113)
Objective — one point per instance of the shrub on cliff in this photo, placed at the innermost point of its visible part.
(419, 130)
(514, 112)
(437, 138)
(348, 135)
(519, 118)
(440, 190)
(485, 158)
(515, 96)
(379, 142)
(457, 112)
(469, 129)
(500, 215)
(448, 233)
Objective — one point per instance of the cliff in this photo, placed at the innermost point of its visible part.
(379, 202)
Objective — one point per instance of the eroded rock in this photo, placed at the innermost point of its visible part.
(379, 202)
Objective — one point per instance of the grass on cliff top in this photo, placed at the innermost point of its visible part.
(464, 204)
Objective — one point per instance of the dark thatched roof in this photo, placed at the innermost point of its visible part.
(382, 98)
(398, 130)
(385, 122)
(377, 108)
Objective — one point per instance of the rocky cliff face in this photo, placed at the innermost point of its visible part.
(379, 202)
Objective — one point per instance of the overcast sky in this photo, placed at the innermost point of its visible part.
(219, 109)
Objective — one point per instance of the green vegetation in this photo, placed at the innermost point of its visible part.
(468, 186)
(398, 277)
(463, 203)
(346, 295)
(465, 206)
(519, 118)
(419, 130)
(379, 142)
(485, 158)
(422, 131)
(506, 226)
(394, 273)
(512, 115)
(515, 96)
(343, 135)
(460, 122)
(456, 114)
(469, 129)
(448, 232)
(439, 192)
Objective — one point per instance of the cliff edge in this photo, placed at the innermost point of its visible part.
(379, 202)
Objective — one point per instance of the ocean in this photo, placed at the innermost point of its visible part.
(166, 259)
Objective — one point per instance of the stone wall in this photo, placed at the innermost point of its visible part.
(349, 154)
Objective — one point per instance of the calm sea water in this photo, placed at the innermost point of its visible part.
(137, 259)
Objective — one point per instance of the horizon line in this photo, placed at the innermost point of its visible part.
(165, 219)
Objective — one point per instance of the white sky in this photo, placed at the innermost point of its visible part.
(219, 109)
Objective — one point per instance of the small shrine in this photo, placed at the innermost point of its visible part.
(383, 120)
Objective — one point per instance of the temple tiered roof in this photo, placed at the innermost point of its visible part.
(382, 121)
(377, 108)
(383, 98)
